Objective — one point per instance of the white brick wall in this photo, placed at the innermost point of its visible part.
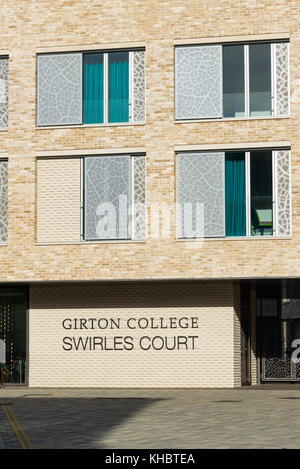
(211, 364)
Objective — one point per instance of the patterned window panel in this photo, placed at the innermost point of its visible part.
(281, 94)
(283, 198)
(198, 82)
(107, 197)
(139, 86)
(139, 202)
(3, 93)
(59, 89)
(201, 195)
(3, 200)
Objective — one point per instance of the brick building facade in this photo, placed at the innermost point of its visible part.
(197, 86)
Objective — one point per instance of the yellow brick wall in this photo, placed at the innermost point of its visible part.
(210, 364)
(28, 26)
(58, 200)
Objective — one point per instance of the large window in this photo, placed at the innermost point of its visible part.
(91, 88)
(232, 81)
(234, 194)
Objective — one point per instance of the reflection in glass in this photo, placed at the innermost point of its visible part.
(235, 194)
(93, 88)
(233, 81)
(260, 79)
(261, 193)
(118, 87)
(13, 311)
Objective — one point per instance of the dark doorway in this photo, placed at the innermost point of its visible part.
(13, 333)
(245, 302)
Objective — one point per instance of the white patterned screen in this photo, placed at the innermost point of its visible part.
(3, 200)
(139, 203)
(282, 97)
(3, 92)
(59, 89)
(283, 198)
(198, 82)
(201, 195)
(107, 197)
(139, 85)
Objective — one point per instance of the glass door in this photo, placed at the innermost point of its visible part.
(13, 334)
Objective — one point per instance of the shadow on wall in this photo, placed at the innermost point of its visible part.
(74, 423)
(132, 294)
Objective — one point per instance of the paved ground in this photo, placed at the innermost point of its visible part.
(266, 417)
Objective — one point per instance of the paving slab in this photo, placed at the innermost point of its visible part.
(155, 418)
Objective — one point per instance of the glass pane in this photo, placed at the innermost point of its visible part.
(93, 88)
(118, 87)
(13, 311)
(260, 79)
(233, 81)
(261, 193)
(235, 194)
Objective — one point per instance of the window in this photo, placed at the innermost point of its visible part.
(91, 88)
(114, 197)
(232, 81)
(234, 194)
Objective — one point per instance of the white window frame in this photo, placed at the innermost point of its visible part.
(248, 196)
(105, 91)
(247, 80)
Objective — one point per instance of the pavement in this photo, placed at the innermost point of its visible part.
(250, 417)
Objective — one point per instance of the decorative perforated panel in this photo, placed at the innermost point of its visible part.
(283, 218)
(282, 97)
(198, 82)
(3, 93)
(3, 200)
(59, 89)
(201, 197)
(139, 86)
(139, 213)
(107, 197)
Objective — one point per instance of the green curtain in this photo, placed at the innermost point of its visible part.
(93, 88)
(235, 194)
(118, 65)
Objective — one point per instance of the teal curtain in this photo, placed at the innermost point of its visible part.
(118, 88)
(93, 88)
(235, 194)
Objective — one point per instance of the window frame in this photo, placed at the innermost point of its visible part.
(246, 45)
(248, 235)
(105, 52)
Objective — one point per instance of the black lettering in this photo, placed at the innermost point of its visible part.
(128, 341)
(97, 341)
(69, 324)
(65, 341)
(141, 339)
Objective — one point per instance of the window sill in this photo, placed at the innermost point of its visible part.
(235, 238)
(87, 126)
(83, 243)
(230, 119)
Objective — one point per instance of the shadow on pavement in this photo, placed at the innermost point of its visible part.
(73, 422)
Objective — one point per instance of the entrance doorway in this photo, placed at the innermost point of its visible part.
(278, 322)
(13, 334)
